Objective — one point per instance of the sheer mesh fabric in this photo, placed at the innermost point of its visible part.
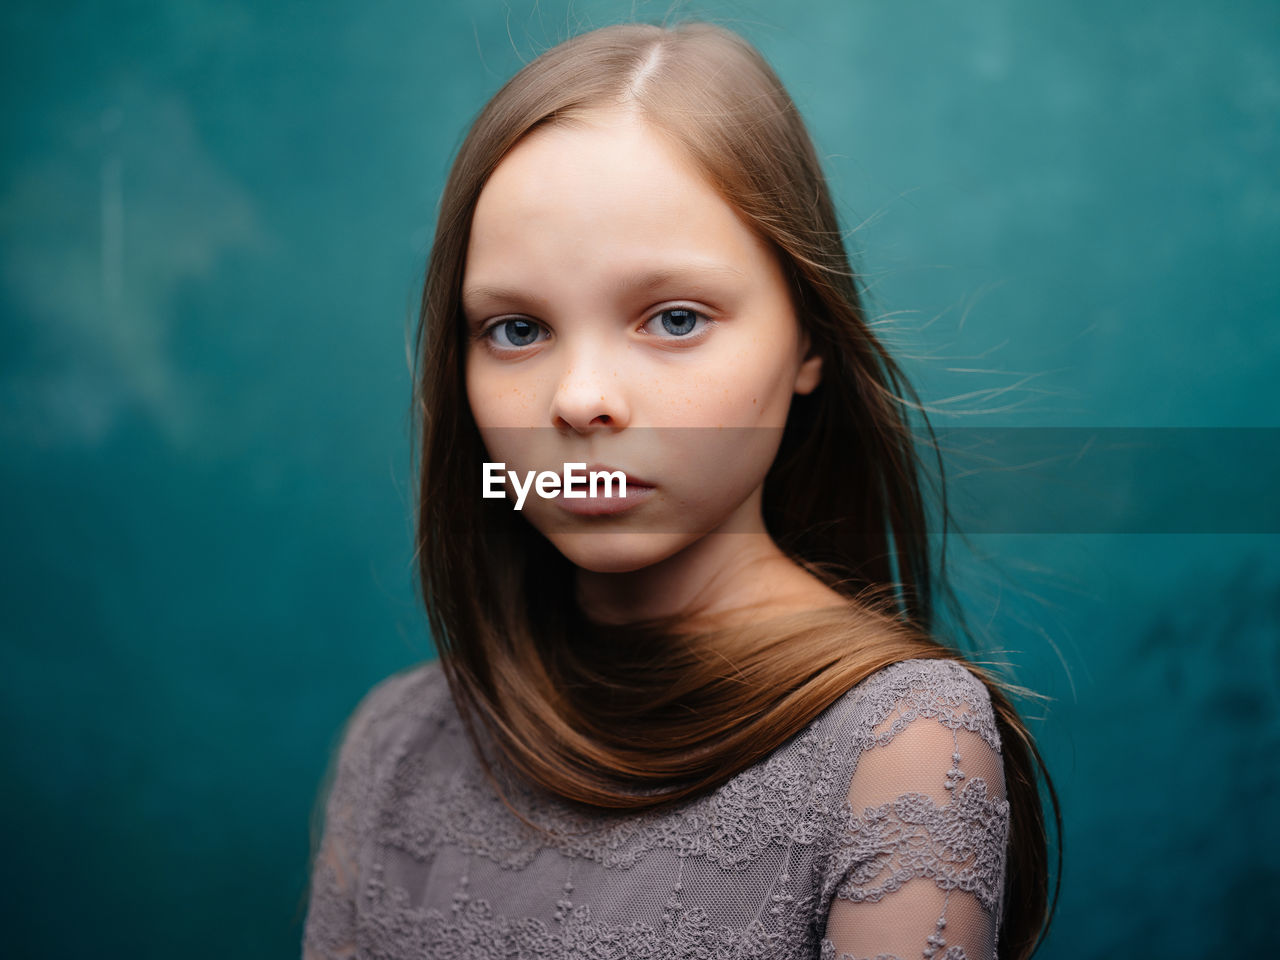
(855, 838)
(932, 800)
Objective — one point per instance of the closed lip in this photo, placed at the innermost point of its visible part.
(603, 504)
(632, 479)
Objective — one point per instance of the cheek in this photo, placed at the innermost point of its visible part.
(728, 458)
(478, 390)
(750, 387)
(504, 406)
(497, 397)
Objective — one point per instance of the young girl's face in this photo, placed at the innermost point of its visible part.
(620, 314)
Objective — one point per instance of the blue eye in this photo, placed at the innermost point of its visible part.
(517, 332)
(679, 322)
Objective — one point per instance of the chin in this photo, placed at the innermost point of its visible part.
(607, 552)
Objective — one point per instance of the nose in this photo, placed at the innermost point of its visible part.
(589, 395)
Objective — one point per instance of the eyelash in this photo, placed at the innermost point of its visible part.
(696, 337)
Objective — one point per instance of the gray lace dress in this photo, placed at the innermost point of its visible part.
(879, 831)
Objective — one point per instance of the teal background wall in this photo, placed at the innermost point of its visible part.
(213, 220)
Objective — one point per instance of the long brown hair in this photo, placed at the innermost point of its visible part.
(652, 713)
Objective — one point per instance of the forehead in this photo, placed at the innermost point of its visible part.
(599, 194)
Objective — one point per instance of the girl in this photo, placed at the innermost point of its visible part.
(704, 716)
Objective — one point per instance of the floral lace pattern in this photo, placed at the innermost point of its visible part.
(421, 858)
(829, 953)
(776, 803)
(471, 928)
(960, 845)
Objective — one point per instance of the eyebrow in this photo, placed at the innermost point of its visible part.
(689, 274)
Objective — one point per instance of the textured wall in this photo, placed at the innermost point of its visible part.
(213, 218)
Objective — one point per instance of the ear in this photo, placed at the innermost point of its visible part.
(810, 373)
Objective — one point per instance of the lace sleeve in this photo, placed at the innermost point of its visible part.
(918, 867)
(329, 933)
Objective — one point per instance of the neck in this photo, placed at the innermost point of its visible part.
(719, 572)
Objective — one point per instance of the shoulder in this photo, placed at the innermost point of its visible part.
(406, 690)
(886, 702)
(920, 793)
(408, 705)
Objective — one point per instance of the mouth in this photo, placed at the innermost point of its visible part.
(632, 479)
(604, 497)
